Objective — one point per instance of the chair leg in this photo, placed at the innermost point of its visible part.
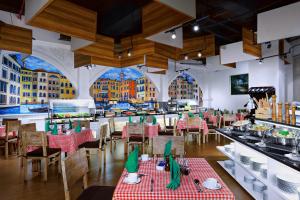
(111, 143)
(45, 169)
(6, 150)
(100, 161)
(59, 163)
(25, 163)
(204, 139)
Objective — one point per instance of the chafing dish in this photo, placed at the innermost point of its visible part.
(288, 183)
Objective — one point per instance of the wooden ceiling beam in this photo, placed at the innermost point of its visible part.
(156, 61)
(67, 18)
(250, 45)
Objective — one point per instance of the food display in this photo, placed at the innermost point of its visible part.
(260, 127)
(241, 123)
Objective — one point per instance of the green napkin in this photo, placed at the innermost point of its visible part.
(175, 175)
(154, 120)
(201, 115)
(191, 115)
(78, 127)
(168, 148)
(141, 119)
(55, 130)
(130, 119)
(70, 124)
(215, 113)
(180, 115)
(132, 162)
(47, 126)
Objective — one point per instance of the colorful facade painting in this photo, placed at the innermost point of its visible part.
(124, 85)
(185, 87)
(30, 83)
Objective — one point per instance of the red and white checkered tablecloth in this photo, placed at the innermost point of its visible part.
(200, 169)
(69, 143)
(182, 124)
(150, 131)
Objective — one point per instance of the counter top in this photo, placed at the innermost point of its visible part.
(275, 152)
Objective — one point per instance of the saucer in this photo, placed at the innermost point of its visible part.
(219, 186)
(125, 180)
(145, 160)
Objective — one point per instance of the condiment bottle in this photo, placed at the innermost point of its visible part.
(279, 115)
(273, 107)
(167, 166)
(287, 113)
(293, 115)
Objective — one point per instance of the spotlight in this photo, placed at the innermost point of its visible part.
(260, 61)
(199, 54)
(120, 56)
(129, 53)
(269, 45)
(186, 57)
(196, 27)
(173, 36)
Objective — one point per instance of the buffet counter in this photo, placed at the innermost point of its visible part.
(265, 172)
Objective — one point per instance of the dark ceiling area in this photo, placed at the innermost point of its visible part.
(122, 18)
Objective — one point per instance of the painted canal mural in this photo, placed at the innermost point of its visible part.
(185, 87)
(124, 88)
(27, 85)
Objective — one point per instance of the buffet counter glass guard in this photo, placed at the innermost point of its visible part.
(270, 171)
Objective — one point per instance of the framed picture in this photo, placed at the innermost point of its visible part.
(239, 84)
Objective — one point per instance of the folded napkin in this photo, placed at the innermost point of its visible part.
(47, 126)
(180, 115)
(70, 124)
(174, 174)
(78, 127)
(191, 115)
(154, 120)
(168, 149)
(132, 163)
(130, 119)
(215, 113)
(141, 119)
(201, 115)
(54, 130)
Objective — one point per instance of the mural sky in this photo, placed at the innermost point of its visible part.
(114, 74)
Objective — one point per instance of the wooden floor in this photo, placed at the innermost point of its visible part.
(12, 186)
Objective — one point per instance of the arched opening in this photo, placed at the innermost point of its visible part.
(32, 83)
(124, 88)
(185, 87)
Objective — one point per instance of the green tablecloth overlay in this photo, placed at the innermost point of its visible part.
(174, 174)
(132, 164)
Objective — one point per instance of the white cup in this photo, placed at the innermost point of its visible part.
(145, 157)
(132, 177)
(212, 182)
(83, 128)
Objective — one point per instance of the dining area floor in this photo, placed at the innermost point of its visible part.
(13, 186)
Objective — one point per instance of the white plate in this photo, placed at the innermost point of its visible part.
(219, 186)
(125, 180)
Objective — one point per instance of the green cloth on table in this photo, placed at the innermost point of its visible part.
(174, 174)
(47, 126)
(191, 115)
(70, 124)
(130, 119)
(154, 120)
(78, 127)
(132, 163)
(54, 130)
(168, 149)
(215, 113)
(201, 115)
(180, 115)
(141, 119)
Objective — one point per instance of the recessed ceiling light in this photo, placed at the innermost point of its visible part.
(199, 54)
(129, 53)
(173, 36)
(260, 61)
(186, 57)
(196, 27)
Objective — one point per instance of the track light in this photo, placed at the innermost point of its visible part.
(120, 56)
(186, 57)
(199, 54)
(260, 61)
(196, 27)
(173, 36)
(129, 53)
(269, 45)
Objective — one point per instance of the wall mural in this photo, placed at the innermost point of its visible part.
(123, 88)
(26, 86)
(185, 87)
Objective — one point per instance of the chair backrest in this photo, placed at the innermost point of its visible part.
(103, 132)
(4, 120)
(111, 123)
(149, 119)
(135, 129)
(12, 126)
(229, 118)
(34, 139)
(26, 127)
(159, 143)
(194, 122)
(83, 123)
(74, 167)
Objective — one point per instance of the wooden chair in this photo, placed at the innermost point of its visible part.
(75, 167)
(38, 140)
(11, 135)
(83, 123)
(135, 135)
(230, 118)
(23, 128)
(212, 131)
(172, 132)
(98, 145)
(194, 127)
(168, 126)
(4, 120)
(177, 145)
(114, 135)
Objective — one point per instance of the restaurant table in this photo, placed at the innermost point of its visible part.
(69, 142)
(182, 124)
(150, 130)
(200, 169)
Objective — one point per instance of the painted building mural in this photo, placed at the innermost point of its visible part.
(27, 85)
(185, 87)
(123, 85)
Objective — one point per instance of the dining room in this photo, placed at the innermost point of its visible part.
(149, 99)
